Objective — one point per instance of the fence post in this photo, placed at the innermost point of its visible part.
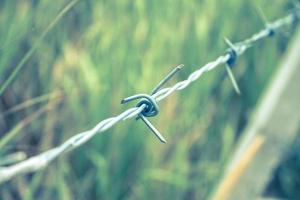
(271, 130)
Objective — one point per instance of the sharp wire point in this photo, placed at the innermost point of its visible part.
(167, 78)
(232, 79)
(261, 14)
(153, 129)
(229, 43)
(150, 109)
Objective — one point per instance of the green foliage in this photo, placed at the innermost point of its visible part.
(101, 51)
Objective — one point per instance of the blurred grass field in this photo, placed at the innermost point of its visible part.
(75, 73)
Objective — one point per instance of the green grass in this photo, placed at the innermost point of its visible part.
(98, 52)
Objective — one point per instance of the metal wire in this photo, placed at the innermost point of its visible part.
(42, 160)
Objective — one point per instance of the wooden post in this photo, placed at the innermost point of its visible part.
(271, 130)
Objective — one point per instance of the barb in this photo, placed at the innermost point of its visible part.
(42, 160)
(230, 63)
(167, 78)
(151, 107)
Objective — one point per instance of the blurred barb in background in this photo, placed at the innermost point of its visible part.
(76, 60)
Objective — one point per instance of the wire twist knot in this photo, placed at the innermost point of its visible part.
(271, 30)
(234, 51)
(232, 56)
(151, 107)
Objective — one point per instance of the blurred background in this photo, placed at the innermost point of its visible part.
(69, 63)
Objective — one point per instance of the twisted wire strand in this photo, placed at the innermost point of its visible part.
(42, 160)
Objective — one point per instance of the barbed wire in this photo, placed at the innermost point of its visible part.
(147, 107)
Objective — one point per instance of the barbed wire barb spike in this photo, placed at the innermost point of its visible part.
(232, 80)
(231, 61)
(261, 14)
(167, 78)
(153, 129)
(149, 109)
(266, 22)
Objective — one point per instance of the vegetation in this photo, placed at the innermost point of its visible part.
(72, 67)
